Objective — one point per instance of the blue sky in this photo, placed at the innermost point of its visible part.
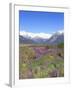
(45, 22)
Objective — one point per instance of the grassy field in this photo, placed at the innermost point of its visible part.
(41, 61)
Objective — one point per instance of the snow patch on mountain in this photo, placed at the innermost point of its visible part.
(58, 32)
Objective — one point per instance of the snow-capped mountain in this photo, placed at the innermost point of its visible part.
(35, 35)
(56, 38)
(38, 38)
(24, 40)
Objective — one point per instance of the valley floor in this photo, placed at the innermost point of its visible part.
(41, 61)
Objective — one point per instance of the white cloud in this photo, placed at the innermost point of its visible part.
(41, 35)
(33, 35)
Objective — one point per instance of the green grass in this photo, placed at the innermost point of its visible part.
(61, 45)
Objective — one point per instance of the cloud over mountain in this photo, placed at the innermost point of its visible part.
(33, 35)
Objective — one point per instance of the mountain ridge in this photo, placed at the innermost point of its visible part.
(27, 38)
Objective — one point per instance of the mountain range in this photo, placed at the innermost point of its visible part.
(41, 38)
